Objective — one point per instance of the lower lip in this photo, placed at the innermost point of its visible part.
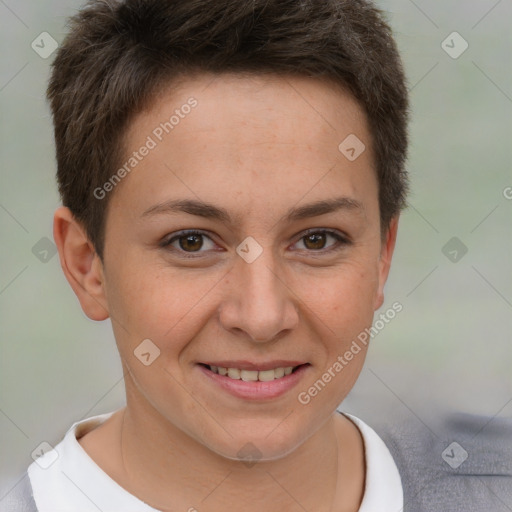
(256, 390)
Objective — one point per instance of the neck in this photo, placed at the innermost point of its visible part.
(169, 470)
(163, 466)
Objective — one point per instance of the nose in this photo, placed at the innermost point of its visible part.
(258, 301)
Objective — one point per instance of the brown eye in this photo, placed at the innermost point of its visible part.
(187, 243)
(190, 242)
(315, 240)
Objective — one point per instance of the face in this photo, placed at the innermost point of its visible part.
(244, 238)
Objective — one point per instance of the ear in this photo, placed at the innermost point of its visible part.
(81, 265)
(387, 248)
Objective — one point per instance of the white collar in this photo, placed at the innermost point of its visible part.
(74, 478)
(383, 490)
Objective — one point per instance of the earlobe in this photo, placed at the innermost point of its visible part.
(80, 263)
(387, 249)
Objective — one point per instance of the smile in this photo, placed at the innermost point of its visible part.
(253, 375)
(254, 384)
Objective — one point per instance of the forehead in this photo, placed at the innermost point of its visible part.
(275, 104)
(266, 138)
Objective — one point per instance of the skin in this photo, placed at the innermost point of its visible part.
(256, 146)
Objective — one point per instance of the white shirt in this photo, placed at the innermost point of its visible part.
(66, 478)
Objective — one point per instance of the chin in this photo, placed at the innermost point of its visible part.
(251, 451)
(260, 444)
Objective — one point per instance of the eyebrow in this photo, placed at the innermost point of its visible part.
(210, 211)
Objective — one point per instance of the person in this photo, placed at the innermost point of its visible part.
(232, 175)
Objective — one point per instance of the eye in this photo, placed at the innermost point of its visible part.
(315, 239)
(184, 242)
(188, 242)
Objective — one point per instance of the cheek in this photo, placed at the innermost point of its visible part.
(155, 302)
(343, 299)
(344, 311)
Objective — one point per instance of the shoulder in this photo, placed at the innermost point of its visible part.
(43, 481)
(463, 463)
(19, 498)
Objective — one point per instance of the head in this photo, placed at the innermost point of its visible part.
(257, 110)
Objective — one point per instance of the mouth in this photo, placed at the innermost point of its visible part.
(254, 383)
(253, 375)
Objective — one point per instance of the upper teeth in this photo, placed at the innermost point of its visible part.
(252, 375)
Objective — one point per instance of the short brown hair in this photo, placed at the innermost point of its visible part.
(119, 54)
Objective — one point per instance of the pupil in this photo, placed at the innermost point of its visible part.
(315, 238)
(191, 246)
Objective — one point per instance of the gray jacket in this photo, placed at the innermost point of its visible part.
(464, 466)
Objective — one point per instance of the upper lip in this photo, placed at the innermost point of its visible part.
(248, 365)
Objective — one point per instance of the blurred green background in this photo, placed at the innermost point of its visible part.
(449, 349)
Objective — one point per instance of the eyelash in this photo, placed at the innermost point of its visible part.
(341, 241)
